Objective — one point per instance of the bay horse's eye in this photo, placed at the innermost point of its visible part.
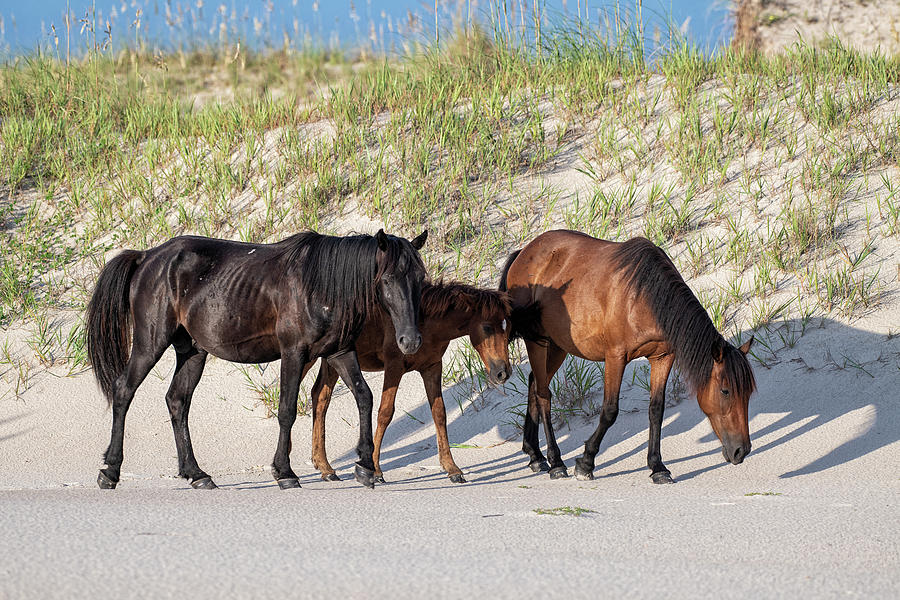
(724, 392)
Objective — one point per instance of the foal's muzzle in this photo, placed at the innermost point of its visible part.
(498, 372)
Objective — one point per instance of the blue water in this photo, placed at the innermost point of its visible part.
(374, 24)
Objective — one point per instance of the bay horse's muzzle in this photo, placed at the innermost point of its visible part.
(735, 453)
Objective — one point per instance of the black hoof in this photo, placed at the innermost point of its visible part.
(330, 477)
(583, 475)
(558, 473)
(537, 466)
(457, 478)
(365, 476)
(288, 483)
(105, 482)
(662, 477)
(379, 478)
(204, 483)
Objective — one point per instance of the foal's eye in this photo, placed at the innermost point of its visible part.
(488, 330)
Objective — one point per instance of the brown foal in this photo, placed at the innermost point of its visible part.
(448, 311)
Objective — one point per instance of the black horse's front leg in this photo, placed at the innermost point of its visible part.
(347, 366)
(292, 363)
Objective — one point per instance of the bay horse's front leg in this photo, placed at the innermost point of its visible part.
(531, 446)
(432, 379)
(347, 366)
(659, 375)
(393, 373)
(545, 361)
(293, 362)
(321, 398)
(612, 381)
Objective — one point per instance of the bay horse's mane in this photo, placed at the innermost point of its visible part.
(341, 272)
(441, 297)
(652, 275)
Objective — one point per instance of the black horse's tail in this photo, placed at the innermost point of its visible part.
(108, 320)
(525, 321)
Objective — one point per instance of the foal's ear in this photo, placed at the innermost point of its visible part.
(382, 240)
(745, 347)
(419, 241)
(718, 350)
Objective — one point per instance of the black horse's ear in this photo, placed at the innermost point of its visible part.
(745, 347)
(382, 240)
(718, 350)
(419, 241)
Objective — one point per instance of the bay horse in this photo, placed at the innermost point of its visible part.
(448, 311)
(615, 302)
(299, 299)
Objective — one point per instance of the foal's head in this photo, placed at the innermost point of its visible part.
(489, 334)
(725, 398)
(401, 274)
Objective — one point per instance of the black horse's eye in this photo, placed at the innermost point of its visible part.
(724, 392)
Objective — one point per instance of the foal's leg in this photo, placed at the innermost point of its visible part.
(293, 362)
(432, 379)
(321, 398)
(188, 369)
(659, 374)
(145, 353)
(553, 356)
(393, 373)
(612, 381)
(347, 366)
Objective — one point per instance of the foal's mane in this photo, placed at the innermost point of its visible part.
(652, 275)
(341, 272)
(441, 297)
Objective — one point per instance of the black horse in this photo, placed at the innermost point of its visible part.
(305, 297)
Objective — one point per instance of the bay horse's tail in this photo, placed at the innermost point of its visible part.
(524, 320)
(108, 321)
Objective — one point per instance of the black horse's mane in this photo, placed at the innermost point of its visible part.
(342, 273)
(441, 297)
(652, 275)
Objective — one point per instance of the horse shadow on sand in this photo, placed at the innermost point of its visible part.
(810, 374)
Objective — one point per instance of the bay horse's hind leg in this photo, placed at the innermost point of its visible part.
(347, 366)
(321, 398)
(145, 353)
(188, 370)
(612, 381)
(659, 375)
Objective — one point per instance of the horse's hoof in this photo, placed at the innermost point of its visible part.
(288, 483)
(204, 483)
(365, 476)
(105, 482)
(379, 478)
(539, 465)
(662, 477)
(330, 477)
(558, 473)
(583, 475)
(457, 478)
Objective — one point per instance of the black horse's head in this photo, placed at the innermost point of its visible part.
(401, 274)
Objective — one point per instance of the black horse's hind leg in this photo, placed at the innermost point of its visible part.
(188, 369)
(138, 367)
(292, 364)
(347, 366)
(612, 381)
(659, 374)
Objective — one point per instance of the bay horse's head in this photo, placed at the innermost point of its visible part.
(401, 274)
(489, 334)
(725, 399)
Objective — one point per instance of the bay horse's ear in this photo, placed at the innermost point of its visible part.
(745, 347)
(419, 241)
(718, 350)
(382, 240)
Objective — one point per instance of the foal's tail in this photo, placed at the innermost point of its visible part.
(108, 321)
(525, 321)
